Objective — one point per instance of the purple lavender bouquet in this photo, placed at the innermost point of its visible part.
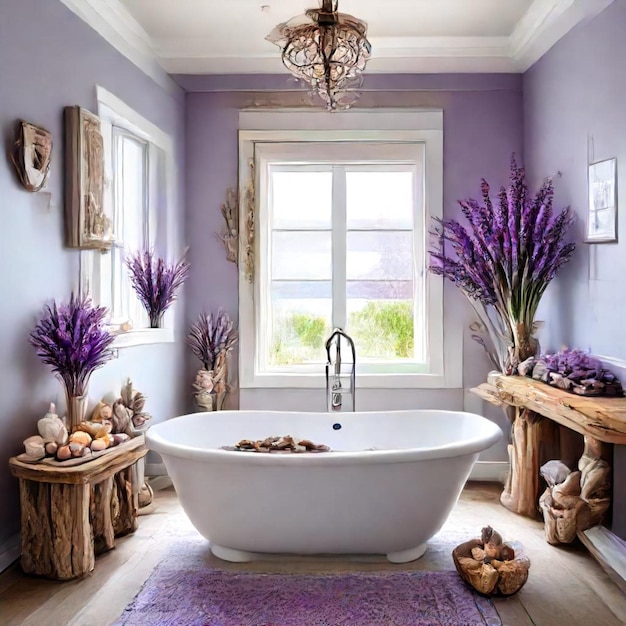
(155, 282)
(73, 340)
(211, 336)
(505, 260)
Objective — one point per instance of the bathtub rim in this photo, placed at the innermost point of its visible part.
(490, 435)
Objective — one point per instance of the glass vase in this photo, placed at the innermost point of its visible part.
(75, 410)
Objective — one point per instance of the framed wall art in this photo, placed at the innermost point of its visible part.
(601, 223)
(87, 225)
(32, 155)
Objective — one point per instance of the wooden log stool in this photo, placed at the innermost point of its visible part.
(70, 514)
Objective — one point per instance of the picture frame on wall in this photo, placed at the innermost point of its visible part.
(87, 225)
(601, 222)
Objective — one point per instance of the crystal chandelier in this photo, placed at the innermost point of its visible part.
(326, 49)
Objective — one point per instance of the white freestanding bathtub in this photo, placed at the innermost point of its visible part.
(386, 487)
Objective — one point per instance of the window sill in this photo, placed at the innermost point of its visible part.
(364, 381)
(142, 337)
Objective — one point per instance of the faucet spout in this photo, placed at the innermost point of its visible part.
(334, 386)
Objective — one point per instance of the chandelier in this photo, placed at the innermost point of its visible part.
(326, 49)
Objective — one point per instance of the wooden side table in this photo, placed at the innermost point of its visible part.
(70, 514)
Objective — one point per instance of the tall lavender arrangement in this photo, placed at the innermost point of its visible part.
(155, 282)
(211, 338)
(73, 340)
(506, 259)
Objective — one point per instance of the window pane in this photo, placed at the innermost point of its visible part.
(300, 322)
(382, 328)
(379, 199)
(301, 255)
(132, 192)
(301, 199)
(380, 255)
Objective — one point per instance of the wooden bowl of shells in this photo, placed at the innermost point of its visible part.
(490, 565)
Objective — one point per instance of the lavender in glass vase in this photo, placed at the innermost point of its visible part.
(155, 282)
(73, 340)
(505, 260)
(211, 338)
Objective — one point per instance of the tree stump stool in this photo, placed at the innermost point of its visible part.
(70, 514)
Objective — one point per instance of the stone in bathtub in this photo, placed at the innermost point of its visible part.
(285, 444)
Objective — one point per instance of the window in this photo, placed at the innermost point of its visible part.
(138, 159)
(340, 239)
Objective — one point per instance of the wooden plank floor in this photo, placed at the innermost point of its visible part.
(566, 586)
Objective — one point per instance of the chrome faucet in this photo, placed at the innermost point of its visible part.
(334, 386)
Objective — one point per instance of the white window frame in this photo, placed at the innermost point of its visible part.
(258, 130)
(115, 112)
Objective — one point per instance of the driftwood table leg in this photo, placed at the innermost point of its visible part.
(101, 516)
(533, 438)
(56, 534)
(126, 520)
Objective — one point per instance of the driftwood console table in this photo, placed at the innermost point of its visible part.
(70, 514)
(539, 411)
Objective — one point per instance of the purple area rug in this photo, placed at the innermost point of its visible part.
(212, 597)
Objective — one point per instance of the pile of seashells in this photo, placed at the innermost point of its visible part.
(108, 426)
(278, 444)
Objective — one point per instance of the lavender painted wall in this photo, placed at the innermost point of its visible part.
(482, 127)
(49, 59)
(574, 112)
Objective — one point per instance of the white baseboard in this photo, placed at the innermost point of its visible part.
(493, 471)
(155, 469)
(10, 551)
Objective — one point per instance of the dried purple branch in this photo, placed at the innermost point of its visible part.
(506, 258)
(73, 340)
(211, 335)
(155, 282)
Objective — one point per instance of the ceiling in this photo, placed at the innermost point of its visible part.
(228, 36)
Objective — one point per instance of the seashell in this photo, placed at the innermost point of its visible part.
(51, 427)
(98, 444)
(121, 417)
(51, 448)
(80, 437)
(102, 412)
(119, 438)
(34, 447)
(64, 453)
(96, 429)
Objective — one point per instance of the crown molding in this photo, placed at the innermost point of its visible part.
(114, 22)
(545, 22)
(390, 55)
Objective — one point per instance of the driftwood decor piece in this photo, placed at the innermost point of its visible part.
(535, 439)
(32, 155)
(249, 202)
(70, 514)
(230, 236)
(576, 501)
(490, 565)
(87, 225)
